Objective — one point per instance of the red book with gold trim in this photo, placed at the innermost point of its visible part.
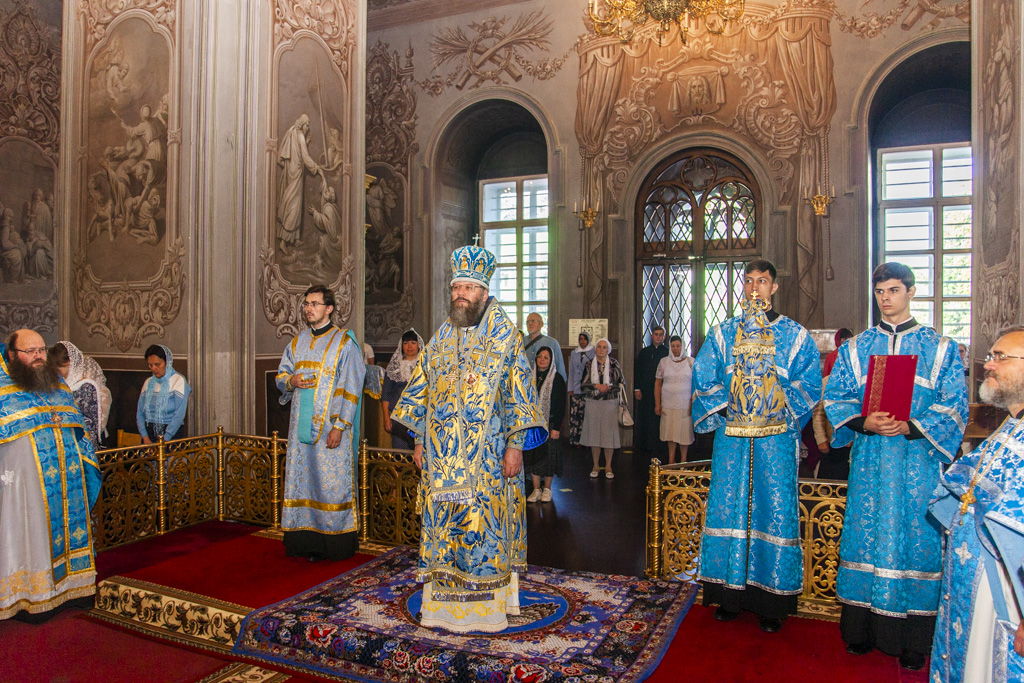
(890, 386)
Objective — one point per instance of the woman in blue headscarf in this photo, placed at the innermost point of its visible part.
(164, 398)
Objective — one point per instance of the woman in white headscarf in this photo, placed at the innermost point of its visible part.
(88, 385)
(672, 393)
(164, 398)
(601, 380)
(396, 377)
(578, 360)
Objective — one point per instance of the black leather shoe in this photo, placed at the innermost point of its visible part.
(769, 625)
(859, 648)
(723, 614)
(912, 661)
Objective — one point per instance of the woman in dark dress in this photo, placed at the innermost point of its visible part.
(545, 461)
(396, 377)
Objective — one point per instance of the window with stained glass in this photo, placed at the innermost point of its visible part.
(696, 229)
(926, 223)
(514, 227)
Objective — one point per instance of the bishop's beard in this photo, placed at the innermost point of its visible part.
(38, 379)
(468, 315)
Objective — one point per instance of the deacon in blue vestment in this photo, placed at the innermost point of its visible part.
(49, 480)
(756, 380)
(472, 409)
(322, 374)
(890, 554)
(980, 502)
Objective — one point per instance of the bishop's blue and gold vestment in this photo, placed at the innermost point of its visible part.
(980, 502)
(49, 480)
(890, 555)
(320, 515)
(469, 397)
(755, 382)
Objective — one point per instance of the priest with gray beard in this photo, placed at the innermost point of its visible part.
(49, 480)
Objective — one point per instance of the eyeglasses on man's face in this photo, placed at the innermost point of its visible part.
(38, 351)
(999, 357)
(312, 304)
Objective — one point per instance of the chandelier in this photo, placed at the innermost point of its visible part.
(622, 17)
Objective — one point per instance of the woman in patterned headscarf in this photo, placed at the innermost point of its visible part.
(87, 383)
(164, 398)
(578, 361)
(601, 380)
(396, 377)
(544, 463)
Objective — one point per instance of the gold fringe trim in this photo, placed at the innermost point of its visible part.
(754, 432)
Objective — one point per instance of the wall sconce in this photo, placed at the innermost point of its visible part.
(819, 202)
(587, 217)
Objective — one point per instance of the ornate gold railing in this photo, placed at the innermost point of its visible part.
(676, 502)
(152, 489)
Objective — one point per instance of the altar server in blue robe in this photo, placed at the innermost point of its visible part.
(890, 554)
(980, 503)
(321, 373)
(756, 380)
(49, 480)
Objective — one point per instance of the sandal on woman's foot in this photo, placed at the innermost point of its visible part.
(594, 474)
(609, 475)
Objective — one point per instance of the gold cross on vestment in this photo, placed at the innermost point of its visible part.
(965, 502)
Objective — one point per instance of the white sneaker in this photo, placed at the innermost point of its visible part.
(546, 496)
(535, 496)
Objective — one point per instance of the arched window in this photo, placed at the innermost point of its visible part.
(696, 220)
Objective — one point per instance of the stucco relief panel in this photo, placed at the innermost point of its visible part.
(768, 80)
(311, 165)
(30, 61)
(873, 18)
(998, 284)
(128, 271)
(390, 147)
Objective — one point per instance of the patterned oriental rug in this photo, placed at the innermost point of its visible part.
(573, 627)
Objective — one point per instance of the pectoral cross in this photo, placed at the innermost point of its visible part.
(965, 503)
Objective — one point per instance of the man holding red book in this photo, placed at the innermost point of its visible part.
(906, 418)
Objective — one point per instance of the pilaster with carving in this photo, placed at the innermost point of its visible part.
(390, 147)
(30, 73)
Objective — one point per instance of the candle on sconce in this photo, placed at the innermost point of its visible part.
(575, 207)
(833, 192)
(598, 205)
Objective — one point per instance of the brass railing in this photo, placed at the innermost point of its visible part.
(676, 502)
(152, 489)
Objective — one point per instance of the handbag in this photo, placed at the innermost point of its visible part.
(625, 418)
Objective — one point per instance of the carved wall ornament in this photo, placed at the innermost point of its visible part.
(125, 314)
(309, 160)
(129, 271)
(30, 60)
(99, 14)
(929, 14)
(490, 52)
(41, 317)
(282, 301)
(390, 109)
(331, 20)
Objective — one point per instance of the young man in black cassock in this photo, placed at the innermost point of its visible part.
(647, 430)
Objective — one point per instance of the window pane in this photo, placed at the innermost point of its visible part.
(535, 198)
(680, 284)
(956, 320)
(908, 229)
(956, 275)
(503, 284)
(956, 227)
(923, 266)
(654, 299)
(535, 283)
(513, 313)
(682, 221)
(502, 243)
(536, 308)
(535, 243)
(957, 172)
(907, 175)
(716, 293)
(500, 202)
(922, 312)
(654, 223)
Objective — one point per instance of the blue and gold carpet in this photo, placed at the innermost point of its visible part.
(574, 627)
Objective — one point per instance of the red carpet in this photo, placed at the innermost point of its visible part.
(253, 571)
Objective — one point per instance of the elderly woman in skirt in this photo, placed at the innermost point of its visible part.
(545, 461)
(601, 380)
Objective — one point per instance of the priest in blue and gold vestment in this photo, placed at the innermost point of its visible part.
(321, 373)
(472, 410)
(980, 502)
(890, 555)
(756, 380)
(49, 480)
